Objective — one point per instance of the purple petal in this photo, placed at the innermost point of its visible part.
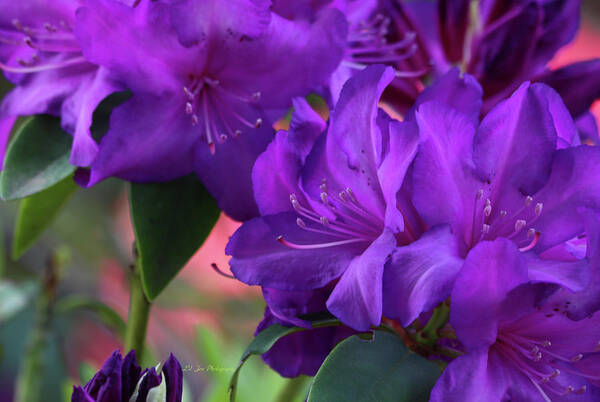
(305, 126)
(573, 183)
(459, 91)
(174, 379)
(588, 129)
(259, 259)
(138, 149)
(105, 386)
(357, 297)
(79, 395)
(475, 376)
(130, 374)
(515, 144)
(149, 57)
(301, 352)
(150, 379)
(311, 53)
(443, 165)
(578, 84)
(197, 21)
(287, 306)
(453, 21)
(77, 112)
(404, 139)
(421, 275)
(571, 275)
(491, 270)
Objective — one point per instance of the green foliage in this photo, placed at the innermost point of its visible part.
(14, 297)
(171, 221)
(36, 213)
(381, 369)
(265, 341)
(105, 314)
(37, 158)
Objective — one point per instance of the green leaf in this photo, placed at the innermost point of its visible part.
(36, 213)
(265, 341)
(107, 315)
(381, 369)
(171, 221)
(37, 158)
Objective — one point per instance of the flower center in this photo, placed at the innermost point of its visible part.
(368, 45)
(219, 109)
(352, 222)
(517, 225)
(535, 359)
(46, 42)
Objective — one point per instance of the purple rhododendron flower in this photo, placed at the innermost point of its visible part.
(333, 209)
(205, 89)
(122, 380)
(515, 347)
(371, 38)
(501, 178)
(40, 54)
(503, 43)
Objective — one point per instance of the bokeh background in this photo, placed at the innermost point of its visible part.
(205, 319)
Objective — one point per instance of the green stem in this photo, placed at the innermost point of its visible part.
(139, 312)
(31, 374)
(429, 335)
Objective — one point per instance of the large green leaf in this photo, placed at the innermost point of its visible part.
(36, 213)
(171, 221)
(265, 341)
(37, 158)
(381, 369)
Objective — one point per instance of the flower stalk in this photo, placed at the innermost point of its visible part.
(139, 313)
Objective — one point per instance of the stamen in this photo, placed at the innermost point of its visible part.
(576, 358)
(532, 244)
(301, 223)
(538, 208)
(44, 67)
(528, 200)
(503, 214)
(485, 229)
(520, 224)
(479, 194)
(286, 243)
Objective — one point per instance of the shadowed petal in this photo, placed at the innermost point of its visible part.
(421, 275)
(357, 297)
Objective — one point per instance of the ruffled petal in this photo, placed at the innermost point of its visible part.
(138, 149)
(105, 386)
(357, 297)
(572, 275)
(443, 165)
(572, 184)
(421, 275)
(476, 377)
(491, 270)
(259, 259)
(515, 144)
(130, 374)
(199, 21)
(578, 84)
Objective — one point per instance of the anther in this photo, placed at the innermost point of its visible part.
(555, 374)
(188, 93)
(538, 208)
(487, 210)
(237, 133)
(17, 24)
(485, 229)
(29, 42)
(530, 232)
(528, 200)
(581, 390)
(577, 357)
(520, 224)
(537, 357)
(223, 137)
(343, 197)
(324, 198)
(194, 120)
(323, 186)
(535, 350)
(255, 96)
(324, 221)
(503, 214)
(569, 389)
(350, 194)
(258, 123)
(50, 28)
(189, 109)
(546, 344)
(300, 223)
(479, 194)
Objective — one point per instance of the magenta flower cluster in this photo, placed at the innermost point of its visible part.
(485, 195)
